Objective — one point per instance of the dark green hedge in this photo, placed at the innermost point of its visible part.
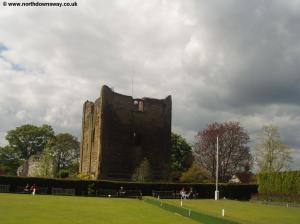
(232, 191)
(273, 197)
(287, 183)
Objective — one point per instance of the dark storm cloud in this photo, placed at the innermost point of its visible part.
(260, 52)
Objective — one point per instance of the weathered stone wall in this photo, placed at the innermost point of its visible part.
(90, 140)
(31, 167)
(116, 135)
(118, 132)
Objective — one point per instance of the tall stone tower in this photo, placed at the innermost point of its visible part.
(119, 132)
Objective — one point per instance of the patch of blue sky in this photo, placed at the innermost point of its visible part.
(3, 47)
(14, 66)
(17, 67)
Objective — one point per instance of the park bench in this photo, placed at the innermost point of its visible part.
(192, 195)
(118, 193)
(20, 189)
(63, 191)
(163, 194)
(132, 194)
(39, 190)
(4, 188)
(107, 193)
(42, 190)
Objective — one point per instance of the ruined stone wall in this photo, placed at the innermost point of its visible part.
(90, 138)
(116, 135)
(119, 132)
(32, 167)
(153, 129)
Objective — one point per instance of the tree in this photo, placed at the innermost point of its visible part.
(28, 140)
(245, 176)
(64, 151)
(271, 154)
(181, 153)
(234, 153)
(195, 174)
(9, 161)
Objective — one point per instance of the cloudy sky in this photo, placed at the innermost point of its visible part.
(229, 60)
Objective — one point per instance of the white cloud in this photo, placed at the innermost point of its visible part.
(229, 60)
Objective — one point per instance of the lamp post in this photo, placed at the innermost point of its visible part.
(217, 171)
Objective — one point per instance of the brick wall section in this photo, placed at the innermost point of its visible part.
(118, 132)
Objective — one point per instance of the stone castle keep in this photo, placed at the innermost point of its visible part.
(119, 133)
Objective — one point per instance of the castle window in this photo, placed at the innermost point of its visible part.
(141, 106)
(138, 105)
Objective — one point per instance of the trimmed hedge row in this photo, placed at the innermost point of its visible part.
(232, 191)
(286, 183)
(272, 197)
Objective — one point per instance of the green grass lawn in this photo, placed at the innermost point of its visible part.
(23, 209)
(243, 212)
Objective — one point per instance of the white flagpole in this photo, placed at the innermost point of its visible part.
(217, 170)
(132, 85)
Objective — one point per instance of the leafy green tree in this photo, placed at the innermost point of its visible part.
(271, 154)
(195, 174)
(9, 161)
(28, 140)
(84, 176)
(181, 153)
(64, 151)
